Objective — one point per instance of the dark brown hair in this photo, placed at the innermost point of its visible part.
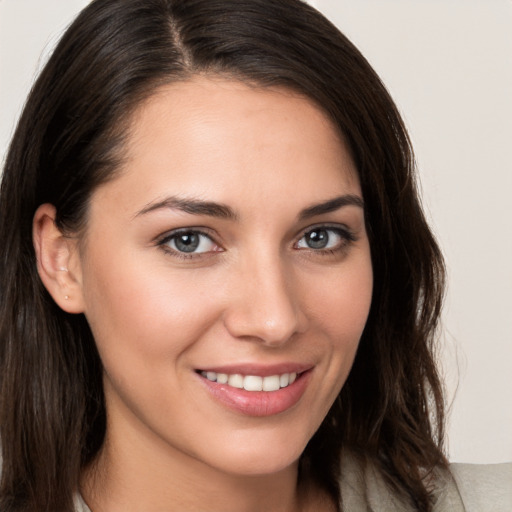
(69, 140)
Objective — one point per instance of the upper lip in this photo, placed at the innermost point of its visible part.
(258, 369)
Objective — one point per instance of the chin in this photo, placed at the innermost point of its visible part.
(259, 458)
(260, 466)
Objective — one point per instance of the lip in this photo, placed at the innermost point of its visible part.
(258, 369)
(258, 403)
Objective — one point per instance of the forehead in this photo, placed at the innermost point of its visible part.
(214, 137)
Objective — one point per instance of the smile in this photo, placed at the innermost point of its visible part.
(252, 382)
(273, 391)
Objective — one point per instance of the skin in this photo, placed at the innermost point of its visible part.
(256, 294)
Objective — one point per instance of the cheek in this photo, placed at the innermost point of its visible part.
(135, 310)
(343, 306)
(342, 311)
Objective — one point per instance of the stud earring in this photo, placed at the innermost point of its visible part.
(66, 297)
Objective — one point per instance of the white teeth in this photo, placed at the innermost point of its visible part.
(252, 382)
(236, 381)
(222, 378)
(271, 383)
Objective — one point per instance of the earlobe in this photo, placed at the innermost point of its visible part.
(58, 261)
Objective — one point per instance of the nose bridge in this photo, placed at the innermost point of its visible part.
(264, 305)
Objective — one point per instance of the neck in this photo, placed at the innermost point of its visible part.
(128, 477)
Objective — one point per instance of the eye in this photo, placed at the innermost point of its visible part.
(189, 242)
(324, 238)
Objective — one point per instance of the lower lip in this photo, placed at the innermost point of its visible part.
(259, 403)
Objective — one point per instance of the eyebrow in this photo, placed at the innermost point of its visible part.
(222, 211)
(192, 206)
(331, 205)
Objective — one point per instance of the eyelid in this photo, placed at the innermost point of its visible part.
(342, 229)
(163, 239)
(186, 229)
(346, 234)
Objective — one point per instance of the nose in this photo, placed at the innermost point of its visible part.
(264, 303)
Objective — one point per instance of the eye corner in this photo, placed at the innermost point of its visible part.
(194, 243)
(326, 238)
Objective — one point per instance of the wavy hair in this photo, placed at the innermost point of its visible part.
(69, 140)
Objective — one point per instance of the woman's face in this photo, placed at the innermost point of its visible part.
(226, 277)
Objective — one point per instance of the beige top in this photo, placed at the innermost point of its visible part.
(466, 488)
(469, 488)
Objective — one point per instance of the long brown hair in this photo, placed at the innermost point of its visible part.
(70, 139)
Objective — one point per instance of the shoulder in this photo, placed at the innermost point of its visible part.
(484, 487)
(463, 488)
(80, 505)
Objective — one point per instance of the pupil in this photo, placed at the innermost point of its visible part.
(187, 242)
(317, 239)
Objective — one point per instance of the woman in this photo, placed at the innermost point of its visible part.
(219, 291)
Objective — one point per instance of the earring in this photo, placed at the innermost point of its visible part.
(63, 269)
(66, 297)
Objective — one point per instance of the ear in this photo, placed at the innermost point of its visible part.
(58, 261)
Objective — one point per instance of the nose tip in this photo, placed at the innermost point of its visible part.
(273, 329)
(278, 329)
(265, 308)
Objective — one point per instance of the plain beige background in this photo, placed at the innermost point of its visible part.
(448, 64)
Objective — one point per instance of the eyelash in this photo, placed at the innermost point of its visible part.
(346, 238)
(173, 236)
